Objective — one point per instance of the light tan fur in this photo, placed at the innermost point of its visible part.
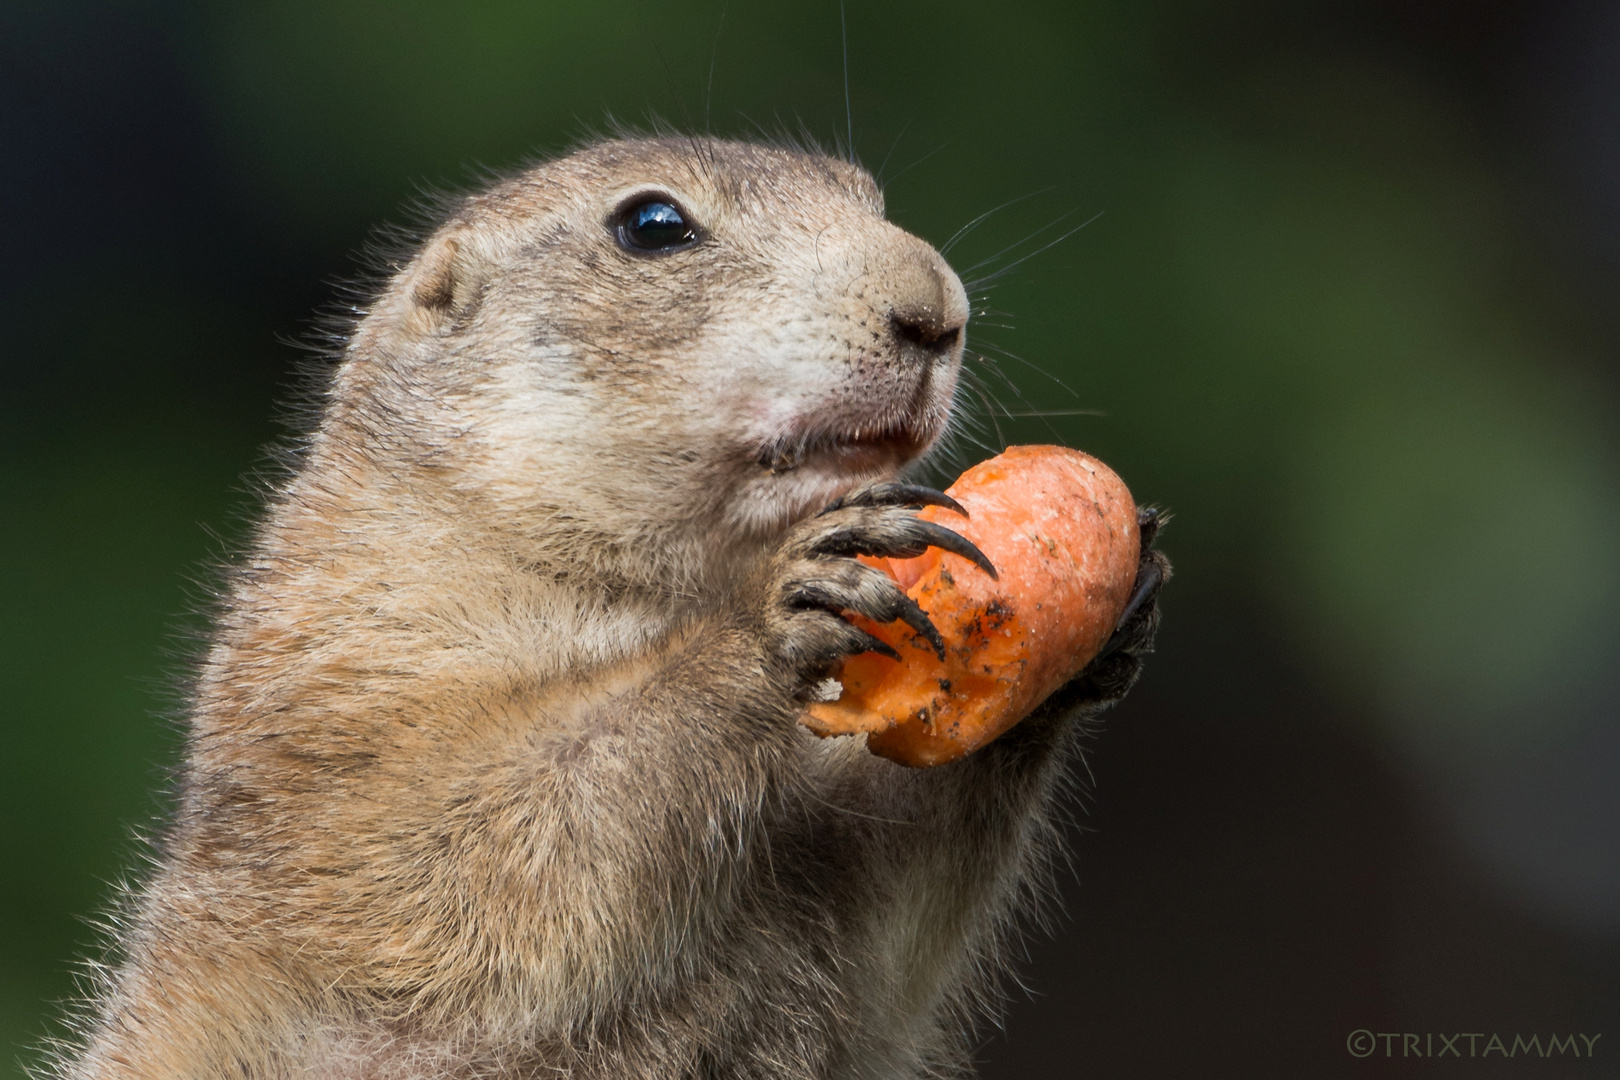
(493, 765)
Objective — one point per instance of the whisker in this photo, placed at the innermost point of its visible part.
(708, 90)
(1033, 367)
(849, 113)
(980, 283)
(1056, 412)
(990, 411)
(892, 148)
(918, 162)
(1032, 412)
(674, 91)
(976, 222)
(1021, 242)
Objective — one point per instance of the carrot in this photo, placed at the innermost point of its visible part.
(1061, 529)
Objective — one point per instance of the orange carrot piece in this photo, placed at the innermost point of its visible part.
(1060, 528)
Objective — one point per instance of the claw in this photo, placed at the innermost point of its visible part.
(894, 493)
(957, 544)
(897, 605)
(872, 644)
(1149, 520)
(906, 539)
(1148, 580)
(916, 618)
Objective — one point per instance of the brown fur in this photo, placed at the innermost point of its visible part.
(493, 766)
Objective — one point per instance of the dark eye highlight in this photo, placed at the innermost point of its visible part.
(655, 226)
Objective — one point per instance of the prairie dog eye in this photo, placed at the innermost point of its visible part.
(655, 226)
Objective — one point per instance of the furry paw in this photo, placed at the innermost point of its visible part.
(815, 576)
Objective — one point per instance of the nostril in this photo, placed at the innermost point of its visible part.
(927, 314)
(925, 329)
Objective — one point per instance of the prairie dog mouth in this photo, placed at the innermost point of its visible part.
(831, 439)
(863, 429)
(860, 450)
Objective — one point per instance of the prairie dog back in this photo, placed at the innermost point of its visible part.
(494, 766)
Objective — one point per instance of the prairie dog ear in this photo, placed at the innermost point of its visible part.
(446, 281)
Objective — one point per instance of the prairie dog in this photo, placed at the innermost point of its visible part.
(494, 767)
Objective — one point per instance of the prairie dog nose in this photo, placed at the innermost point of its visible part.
(929, 304)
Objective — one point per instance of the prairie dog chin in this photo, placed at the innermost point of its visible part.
(494, 767)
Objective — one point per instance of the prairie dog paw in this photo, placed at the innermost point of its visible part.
(815, 576)
(1115, 668)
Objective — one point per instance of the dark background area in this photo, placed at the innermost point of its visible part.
(1349, 311)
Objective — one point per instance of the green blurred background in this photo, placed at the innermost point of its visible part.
(1349, 311)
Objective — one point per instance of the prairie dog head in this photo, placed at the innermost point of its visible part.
(662, 347)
